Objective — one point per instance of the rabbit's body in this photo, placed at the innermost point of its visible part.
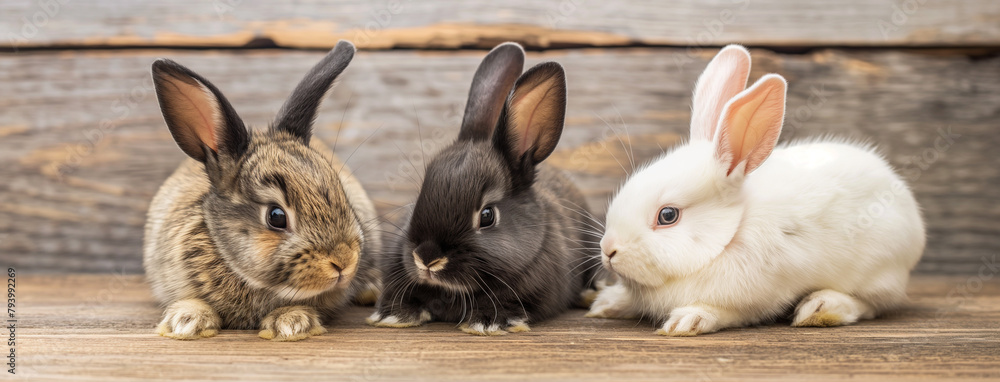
(260, 228)
(792, 239)
(496, 240)
(540, 284)
(178, 238)
(703, 244)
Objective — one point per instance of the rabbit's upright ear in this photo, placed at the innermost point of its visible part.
(199, 117)
(490, 87)
(298, 113)
(722, 79)
(751, 123)
(533, 117)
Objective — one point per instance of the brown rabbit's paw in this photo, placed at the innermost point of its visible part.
(189, 320)
(481, 329)
(291, 323)
(395, 321)
(687, 322)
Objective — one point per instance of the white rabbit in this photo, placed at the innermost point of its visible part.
(711, 236)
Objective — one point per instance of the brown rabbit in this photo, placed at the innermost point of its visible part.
(260, 229)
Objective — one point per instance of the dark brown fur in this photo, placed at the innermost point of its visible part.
(538, 257)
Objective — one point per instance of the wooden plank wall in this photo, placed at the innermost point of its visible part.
(448, 24)
(83, 146)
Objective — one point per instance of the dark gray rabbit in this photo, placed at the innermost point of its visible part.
(259, 229)
(496, 240)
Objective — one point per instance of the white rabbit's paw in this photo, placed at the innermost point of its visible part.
(611, 302)
(291, 323)
(830, 308)
(605, 310)
(689, 321)
(398, 321)
(189, 320)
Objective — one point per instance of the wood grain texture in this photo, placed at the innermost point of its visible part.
(83, 145)
(540, 24)
(100, 328)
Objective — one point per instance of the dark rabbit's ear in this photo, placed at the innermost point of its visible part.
(199, 117)
(490, 86)
(298, 113)
(533, 117)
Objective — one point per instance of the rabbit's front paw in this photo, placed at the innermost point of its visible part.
(385, 320)
(830, 308)
(514, 325)
(188, 320)
(612, 302)
(689, 321)
(291, 323)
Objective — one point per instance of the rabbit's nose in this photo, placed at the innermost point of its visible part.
(608, 246)
(343, 259)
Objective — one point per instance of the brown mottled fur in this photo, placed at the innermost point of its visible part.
(210, 255)
(182, 260)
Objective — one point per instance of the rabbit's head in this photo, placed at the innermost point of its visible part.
(276, 210)
(678, 213)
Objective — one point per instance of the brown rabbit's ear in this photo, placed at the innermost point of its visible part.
(199, 117)
(533, 117)
(298, 113)
(490, 87)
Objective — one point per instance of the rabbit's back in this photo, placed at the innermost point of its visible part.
(175, 223)
(835, 206)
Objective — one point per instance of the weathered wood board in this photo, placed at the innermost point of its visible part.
(541, 24)
(100, 328)
(83, 146)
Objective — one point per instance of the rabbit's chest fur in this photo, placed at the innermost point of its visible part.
(182, 260)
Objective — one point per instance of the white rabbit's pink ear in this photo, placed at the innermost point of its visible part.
(722, 80)
(751, 123)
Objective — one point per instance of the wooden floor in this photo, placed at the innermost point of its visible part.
(100, 328)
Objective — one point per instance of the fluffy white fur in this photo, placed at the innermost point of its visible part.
(826, 225)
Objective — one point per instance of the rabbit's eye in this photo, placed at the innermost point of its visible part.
(487, 217)
(276, 218)
(668, 216)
